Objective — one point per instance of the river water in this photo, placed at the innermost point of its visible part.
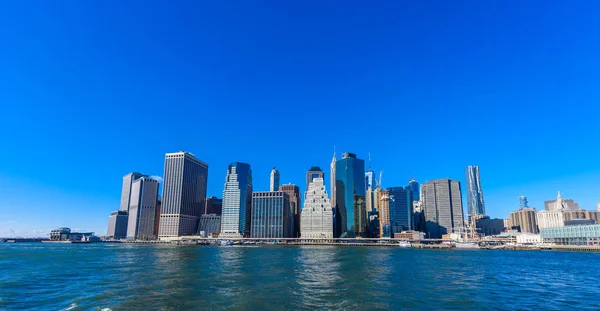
(106, 277)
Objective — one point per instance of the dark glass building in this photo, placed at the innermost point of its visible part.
(401, 209)
(351, 218)
(293, 192)
(237, 201)
(272, 216)
(214, 205)
(414, 189)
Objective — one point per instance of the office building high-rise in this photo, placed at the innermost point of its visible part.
(274, 184)
(314, 172)
(475, 202)
(414, 189)
(524, 220)
(126, 189)
(237, 201)
(523, 203)
(142, 209)
(214, 205)
(293, 192)
(401, 209)
(332, 181)
(184, 195)
(385, 228)
(271, 215)
(317, 214)
(442, 205)
(117, 225)
(350, 197)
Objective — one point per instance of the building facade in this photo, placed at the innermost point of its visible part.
(142, 209)
(524, 220)
(271, 215)
(314, 172)
(126, 189)
(293, 192)
(317, 214)
(210, 224)
(117, 225)
(475, 202)
(401, 208)
(572, 235)
(274, 183)
(350, 197)
(385, 226)
(214, 205)
(523, 203)
(488, 226)
(560, 204)
(332, 180)
(442, 206)
(237, 201)
(184, 195)
(414, 189)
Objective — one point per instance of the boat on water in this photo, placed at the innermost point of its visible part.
(57, 242)
(404, 244)
(466, 245)
(226, 243)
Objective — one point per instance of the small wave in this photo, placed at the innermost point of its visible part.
(73, 306)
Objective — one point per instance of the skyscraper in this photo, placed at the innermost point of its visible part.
(414, 190)
(184, 194)
(293, 192)
(271, 215)
(385, 228)
(401, 209)
(126, 189)
(442, 204)
(117, 225)
(350, 196)
(142, 209)
(523, 203)
(237, 201)
(332, 181)
(214, 205)
(475, 201)
(317, 214)
(314, 172)
(274, 179)
(117, 222)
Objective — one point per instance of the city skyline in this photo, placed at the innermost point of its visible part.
(208, 75)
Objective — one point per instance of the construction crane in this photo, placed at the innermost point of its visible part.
(380, 176)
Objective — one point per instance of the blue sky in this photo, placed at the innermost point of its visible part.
(91, 90)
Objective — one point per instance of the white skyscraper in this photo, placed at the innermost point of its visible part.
(317, 214)
(274, 180)
(142, 209)
(237, 201)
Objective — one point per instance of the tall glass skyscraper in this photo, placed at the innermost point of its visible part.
(237, 201)
(475, 202)
(401, 209)
(414, 190)
(351, 218)
(184, 194)
(523, 202)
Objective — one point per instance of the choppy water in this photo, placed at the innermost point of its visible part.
(168, 277)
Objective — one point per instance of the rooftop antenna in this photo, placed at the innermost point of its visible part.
(369, 161)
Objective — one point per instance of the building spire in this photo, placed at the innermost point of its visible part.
(369, 161)
(334, 158)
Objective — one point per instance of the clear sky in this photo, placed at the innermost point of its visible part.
(92, 90)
